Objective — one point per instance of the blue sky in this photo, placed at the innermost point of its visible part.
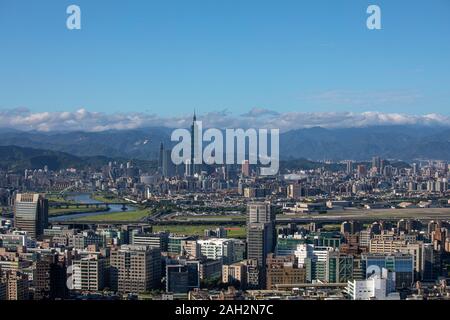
(169, 57)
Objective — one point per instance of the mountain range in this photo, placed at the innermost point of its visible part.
(390, 142)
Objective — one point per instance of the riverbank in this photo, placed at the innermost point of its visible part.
(72, 211)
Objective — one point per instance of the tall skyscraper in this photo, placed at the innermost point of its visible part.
(260, 212)
(376, 163)
(349, 168)
(161, 157)
(245, 168)
(31, 214)
(49, 277)
(261, 234)
(195, 145)
(169, 169)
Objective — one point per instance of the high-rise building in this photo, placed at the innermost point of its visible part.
(31, 214)
(261, 234)
(229, 250)
(245, 168)
(17, 286)
(89, 273)
(49, 278)
(401, 264)
(376, 163)
(349, 168)
(161, 157)
(180, 278)
(361, 170)
(339, 267)
(294, 191)
(135, 269)
(195, 146)
(169, 168)
(153, 240)
(260, 212)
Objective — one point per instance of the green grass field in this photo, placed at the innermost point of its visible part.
(213, 217)
(71, 209)
(198, 230)
(57, 198)
(106, 198)
(118, 216)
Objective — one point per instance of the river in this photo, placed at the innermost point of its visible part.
(86, 198)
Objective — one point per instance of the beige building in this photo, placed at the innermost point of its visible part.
(283, 270)
(88, 273)
(15, 285)
(31, 214)
(135, 269)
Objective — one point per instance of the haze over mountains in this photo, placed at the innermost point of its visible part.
(405, 142)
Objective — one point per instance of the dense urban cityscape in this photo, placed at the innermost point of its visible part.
(212, 159)
(356, 231)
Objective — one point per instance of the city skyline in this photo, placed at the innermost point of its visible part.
(188, 155)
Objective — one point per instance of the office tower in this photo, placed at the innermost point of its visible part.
(314, 259)
(135, 269)
(349, 168)
(174, 246)
(31, 214)
(260, 212)
(361, 170)
(346, 227)
(350, 227)
(229, 250)
(294, 191)
(286, 245)
(161, 157)
(283, 271)
(196, 139)
(183, 277)
(89, 273)
(376, 163)
(169, 168)
(415, 168)
(401, 264)
(245, 168)
(339, 267)
(49, 278)
(260, 241)
(261, 234)
(188, 168)
(153, 240)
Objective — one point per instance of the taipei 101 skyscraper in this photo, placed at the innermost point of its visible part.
(195, 146)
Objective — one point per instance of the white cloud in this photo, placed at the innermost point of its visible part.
(85, 120)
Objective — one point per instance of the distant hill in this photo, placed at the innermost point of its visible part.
(14, 158)
(390, 142)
